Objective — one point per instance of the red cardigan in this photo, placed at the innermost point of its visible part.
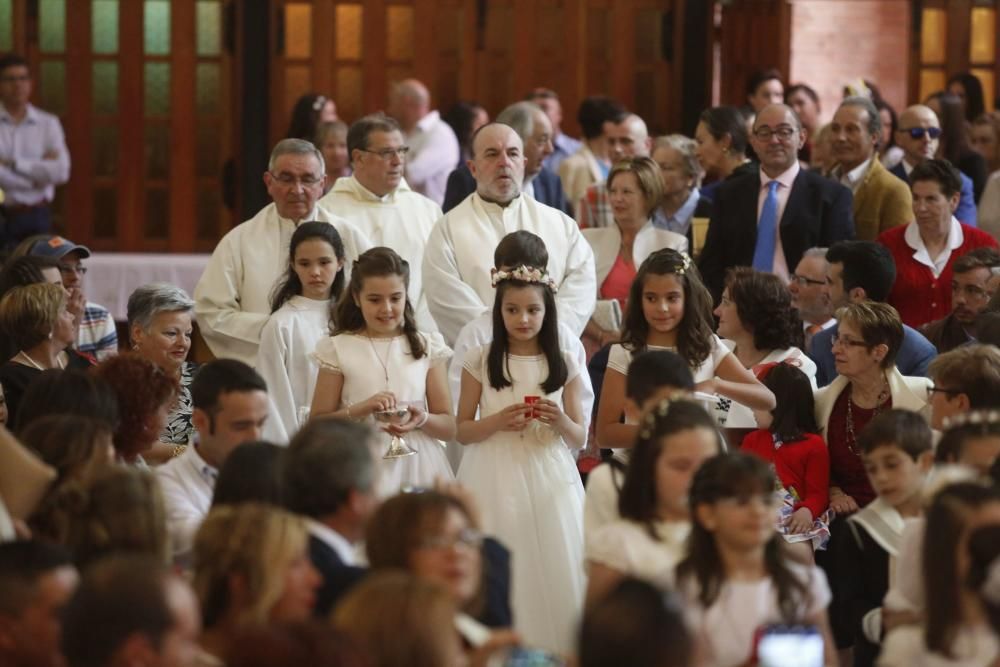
(917, 295)
(802, 465)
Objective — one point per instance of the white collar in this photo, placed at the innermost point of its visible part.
(295, 223)
(203, 469)
(912, 237)
(30, 114)
(856, 175)
(427, 122)
(352, 185)
(332, 539)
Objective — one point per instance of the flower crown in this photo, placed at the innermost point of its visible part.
(973, 418)
(659, 411)
(319, 103)
(524, 273)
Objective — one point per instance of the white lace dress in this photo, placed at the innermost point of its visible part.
(365, 362)
(531, 499)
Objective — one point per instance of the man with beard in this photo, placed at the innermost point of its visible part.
(969, 297)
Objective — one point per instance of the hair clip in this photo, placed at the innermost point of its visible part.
(685, 264)
(973, 418)
(524, 273)
(319, 103)
(659, 411)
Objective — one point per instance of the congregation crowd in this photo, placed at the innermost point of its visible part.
(485, 394)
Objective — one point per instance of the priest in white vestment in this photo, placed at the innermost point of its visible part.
(459, 253)
(233, 296)
(377, 199)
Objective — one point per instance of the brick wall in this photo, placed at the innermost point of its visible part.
(834, 41)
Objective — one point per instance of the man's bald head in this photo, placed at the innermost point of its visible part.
(409, 101)
(497, 162)
(921, 121)
(777, 137)
(627, 137)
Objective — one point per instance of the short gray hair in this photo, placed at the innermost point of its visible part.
(324, 462)
(816, 252)
(296, 147)
(874, 119)
(521, 117)
(148, 301)
(686, 147)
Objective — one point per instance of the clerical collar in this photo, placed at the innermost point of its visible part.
(496, 203)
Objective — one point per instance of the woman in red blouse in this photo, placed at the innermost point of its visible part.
(868, 337)
(926, 249)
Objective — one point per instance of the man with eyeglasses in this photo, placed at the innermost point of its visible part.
(918, 135)
(768, 219)
(233, 296)
(96, 335)
(809, 294)
(379, 201)
(533, 126)
(970, 294)
(33, 156)
(881, 201)
(926, 249)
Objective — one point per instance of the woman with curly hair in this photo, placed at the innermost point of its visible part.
(146, 394)
(757, 321)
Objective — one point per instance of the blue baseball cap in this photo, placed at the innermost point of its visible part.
(57, 247)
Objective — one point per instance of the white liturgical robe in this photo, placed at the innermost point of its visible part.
(285, 361)
(459, 257)
(233, 297)
(401, 220)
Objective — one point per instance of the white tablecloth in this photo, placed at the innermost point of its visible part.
(112, 276)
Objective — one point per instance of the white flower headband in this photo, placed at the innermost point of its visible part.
(659, 411)
(685, 264)
(973, 418)
(527, 274)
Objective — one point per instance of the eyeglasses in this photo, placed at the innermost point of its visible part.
(289, 180)
(783, 133)
(469, 538)
(837, 339)
(69, 268)
(802, 281)
(932, 389)
(971, 292)
(918, 132)
(388, 153)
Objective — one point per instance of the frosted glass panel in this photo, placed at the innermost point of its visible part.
(931, 81)
(208, 93)
(6, 25)
(348, 23)
(104, 26)
(983, 40)
(105, 150)
(298, 30)
(52, 17)
(157, 151)
(933, 36)
(156, 28)
(105, 81)
(209, 26)
(157, 85)
(54, 86)
(399, 33)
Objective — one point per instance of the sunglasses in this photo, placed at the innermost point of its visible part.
(918, 132)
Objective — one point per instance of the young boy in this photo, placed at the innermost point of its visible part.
(897, 455)
(652, 376)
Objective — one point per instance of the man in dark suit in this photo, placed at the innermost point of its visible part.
(798, 209)
(865, 271)
(329, 480)
(535, 130)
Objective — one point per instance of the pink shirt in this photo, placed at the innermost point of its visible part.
(785, 181)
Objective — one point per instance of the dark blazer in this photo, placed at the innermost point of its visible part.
(338, 577)
(914, 356)
(548, 189)
(818, 213)
(966, 211)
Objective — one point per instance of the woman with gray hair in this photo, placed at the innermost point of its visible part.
(677, 158)
(160, 318)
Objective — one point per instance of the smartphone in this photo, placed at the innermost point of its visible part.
(790, 646)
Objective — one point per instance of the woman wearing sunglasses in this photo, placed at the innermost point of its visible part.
(868, 383)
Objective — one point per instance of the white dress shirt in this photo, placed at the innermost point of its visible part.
(785, 181)
(401, 220)
(459, 257)
(187, 484)
(334, 540)
(854, 177)
(33, 177)
(434, 152)
(233, 297)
